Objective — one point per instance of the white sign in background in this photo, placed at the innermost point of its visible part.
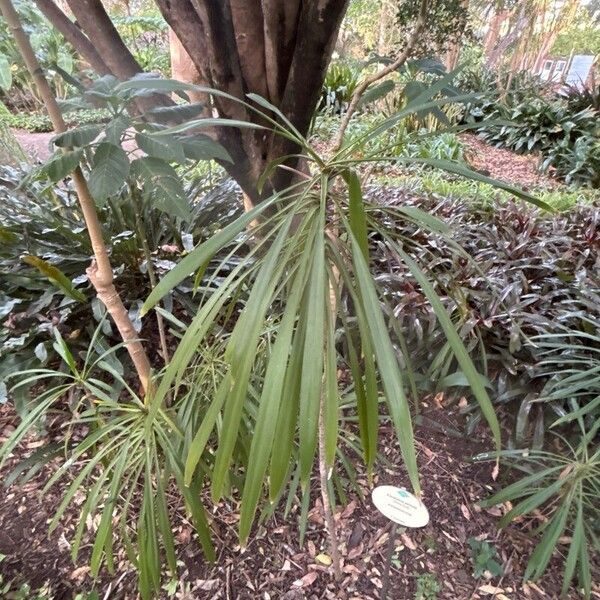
(579, 70)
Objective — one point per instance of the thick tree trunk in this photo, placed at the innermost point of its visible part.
(184, 69)
(94, 20)
(73, 35)
(279, 49)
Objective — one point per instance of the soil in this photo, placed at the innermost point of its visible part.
(506, 165)
(275, 565)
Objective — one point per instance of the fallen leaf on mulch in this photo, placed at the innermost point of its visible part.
(307, 580)
(324, 559)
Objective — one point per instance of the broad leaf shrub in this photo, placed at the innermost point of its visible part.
(565, 132)
(54, 53)
(44, 254)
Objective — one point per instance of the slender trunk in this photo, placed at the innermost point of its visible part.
(399, 62)
(523, 19)
(100, 271)
(493, 33)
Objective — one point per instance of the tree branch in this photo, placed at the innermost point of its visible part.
(317, 29)
(73, 35)
(399, 62)
(280, 25)
(96, 23)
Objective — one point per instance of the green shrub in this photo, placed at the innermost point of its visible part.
(146, 35)
(52, 51)
(578, 98)
(239, 404)
(339, 85)
(563, 485)
(524, 292)
(40, 122)
(567, 137)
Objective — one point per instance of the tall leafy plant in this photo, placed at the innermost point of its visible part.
(311, 260)
(299, 303)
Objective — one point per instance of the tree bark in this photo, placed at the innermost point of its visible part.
(221, 37)
(493, 33)
(94, 20)
(184, 69)
(510, 38)
(100, 271)
(279, 49)
(73, 35)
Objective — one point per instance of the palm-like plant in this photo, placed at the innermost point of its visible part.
(308, 266)
(252, 391)
(564, 486)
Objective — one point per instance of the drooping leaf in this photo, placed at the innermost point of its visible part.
(78, 137)
(162, 185)
(56, 276)
(165, 147)
(109, 171)
(201, 147)
(5, 73)
(62, 164)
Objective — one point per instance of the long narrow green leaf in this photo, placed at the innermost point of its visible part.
(200, 255)
(331, 394)
(208, 423)
(270, 401)
(543, 552)
(388, 364)
(286, 422)
(312, 362)
(577, 540)
(356, 213)
(241, 349)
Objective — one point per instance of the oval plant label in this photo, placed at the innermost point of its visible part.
(400, 506)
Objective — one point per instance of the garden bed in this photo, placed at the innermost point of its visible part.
(275, 565)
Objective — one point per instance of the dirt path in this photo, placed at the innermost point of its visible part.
(36, 145)
(506, 165)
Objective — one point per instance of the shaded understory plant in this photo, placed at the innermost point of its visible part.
(297, 304)
(557, 490)
(566, 136)
(44, 254)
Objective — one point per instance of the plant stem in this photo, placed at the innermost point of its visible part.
(362, 88)
(100, 271)
(151, 273)
(388, 561)
(325, 499)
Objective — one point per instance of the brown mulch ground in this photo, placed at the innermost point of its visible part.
(506, 165)
(275, 566)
